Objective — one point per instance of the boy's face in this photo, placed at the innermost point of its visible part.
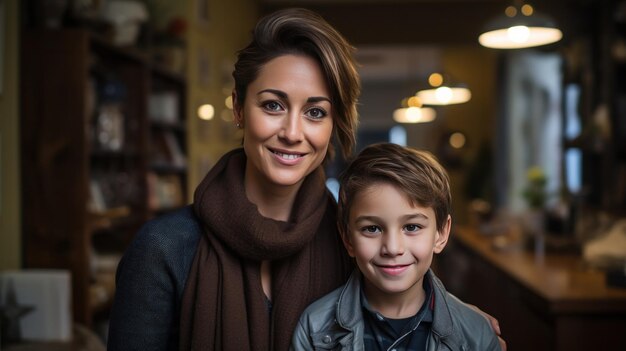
(393, 242)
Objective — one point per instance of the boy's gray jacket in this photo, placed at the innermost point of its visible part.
(335, 322)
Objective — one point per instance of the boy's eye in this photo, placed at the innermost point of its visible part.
(412, 228)
(371, 229)
(316, 113)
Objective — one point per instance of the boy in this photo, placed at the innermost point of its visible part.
(394, 214)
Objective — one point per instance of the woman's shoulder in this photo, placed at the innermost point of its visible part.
(174, 234)
(179, 225)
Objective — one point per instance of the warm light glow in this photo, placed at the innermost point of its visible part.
(229, 102)
(444, 96)
(206, 112)
(518, 34)
(413, 101)
(414, 115)
(226, 115)
(520, 27)
(457, 140)
(510, 11)
(435, 79)
(527, 10)
(499, 39)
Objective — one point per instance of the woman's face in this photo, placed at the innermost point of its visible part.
(287, 119)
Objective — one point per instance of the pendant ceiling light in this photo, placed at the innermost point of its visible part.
(444, 91)
(519, 27)
(412, 111)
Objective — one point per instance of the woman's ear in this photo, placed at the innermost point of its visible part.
(237, 112)
(442, 236)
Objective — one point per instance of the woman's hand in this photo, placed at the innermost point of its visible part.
(494, 324)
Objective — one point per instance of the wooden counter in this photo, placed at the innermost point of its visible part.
(543, 301)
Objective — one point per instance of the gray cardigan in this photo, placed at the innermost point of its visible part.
(336, 322)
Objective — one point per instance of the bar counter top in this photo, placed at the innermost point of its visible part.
(543, 300)
(563, 279)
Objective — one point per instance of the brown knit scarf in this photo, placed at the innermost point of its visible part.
(223, 306)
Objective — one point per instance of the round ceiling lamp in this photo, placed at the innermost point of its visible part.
(443, 92)
(414, 115)
(413, 112)
(519, 27)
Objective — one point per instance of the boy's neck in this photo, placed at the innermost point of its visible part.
(396, 306)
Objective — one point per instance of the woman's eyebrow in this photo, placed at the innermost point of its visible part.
(318, 99)
(276, 92)
(284, 95)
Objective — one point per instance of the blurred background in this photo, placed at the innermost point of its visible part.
(112, 111)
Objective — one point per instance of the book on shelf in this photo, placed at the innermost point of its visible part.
(164, 107)
(177, 156)
(166, 150)
(96, 202)
(165, 191)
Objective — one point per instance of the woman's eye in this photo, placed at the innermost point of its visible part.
(272, 106)
(316, 113)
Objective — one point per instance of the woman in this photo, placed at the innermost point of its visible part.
(235, 270)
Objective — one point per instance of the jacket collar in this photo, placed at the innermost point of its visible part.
(349, 313)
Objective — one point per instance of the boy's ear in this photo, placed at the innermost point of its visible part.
(345, 237)
(442, 236)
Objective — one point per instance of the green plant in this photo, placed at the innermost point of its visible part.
(535, 191)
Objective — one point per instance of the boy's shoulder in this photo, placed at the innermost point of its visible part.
(456, 318)
(323, 313)
(458, 309)
(324, 306)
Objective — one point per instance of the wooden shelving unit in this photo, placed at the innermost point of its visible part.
(88, 144)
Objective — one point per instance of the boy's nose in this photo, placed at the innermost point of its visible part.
(393, 245)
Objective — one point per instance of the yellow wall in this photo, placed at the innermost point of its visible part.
(212, 47)
(10, 249)
(476, 118)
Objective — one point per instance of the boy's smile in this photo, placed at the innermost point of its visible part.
(393, 242)
(393, 270)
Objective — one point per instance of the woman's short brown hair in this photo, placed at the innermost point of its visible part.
(303, 32)
(416, 173)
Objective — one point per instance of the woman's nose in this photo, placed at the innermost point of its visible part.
(291, 130)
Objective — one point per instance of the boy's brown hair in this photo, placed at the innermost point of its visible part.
(416, 173)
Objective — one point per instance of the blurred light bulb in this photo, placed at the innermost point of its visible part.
(435, 79)
(414, 101)
(229, 102)
(510, 11)
(527, 10)
(443, 94)
(518, 34)
(457, 140)
(206, 112)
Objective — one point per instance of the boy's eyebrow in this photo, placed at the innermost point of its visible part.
(376, 218)
(415, 216)
(284, 95)
(366, 218)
